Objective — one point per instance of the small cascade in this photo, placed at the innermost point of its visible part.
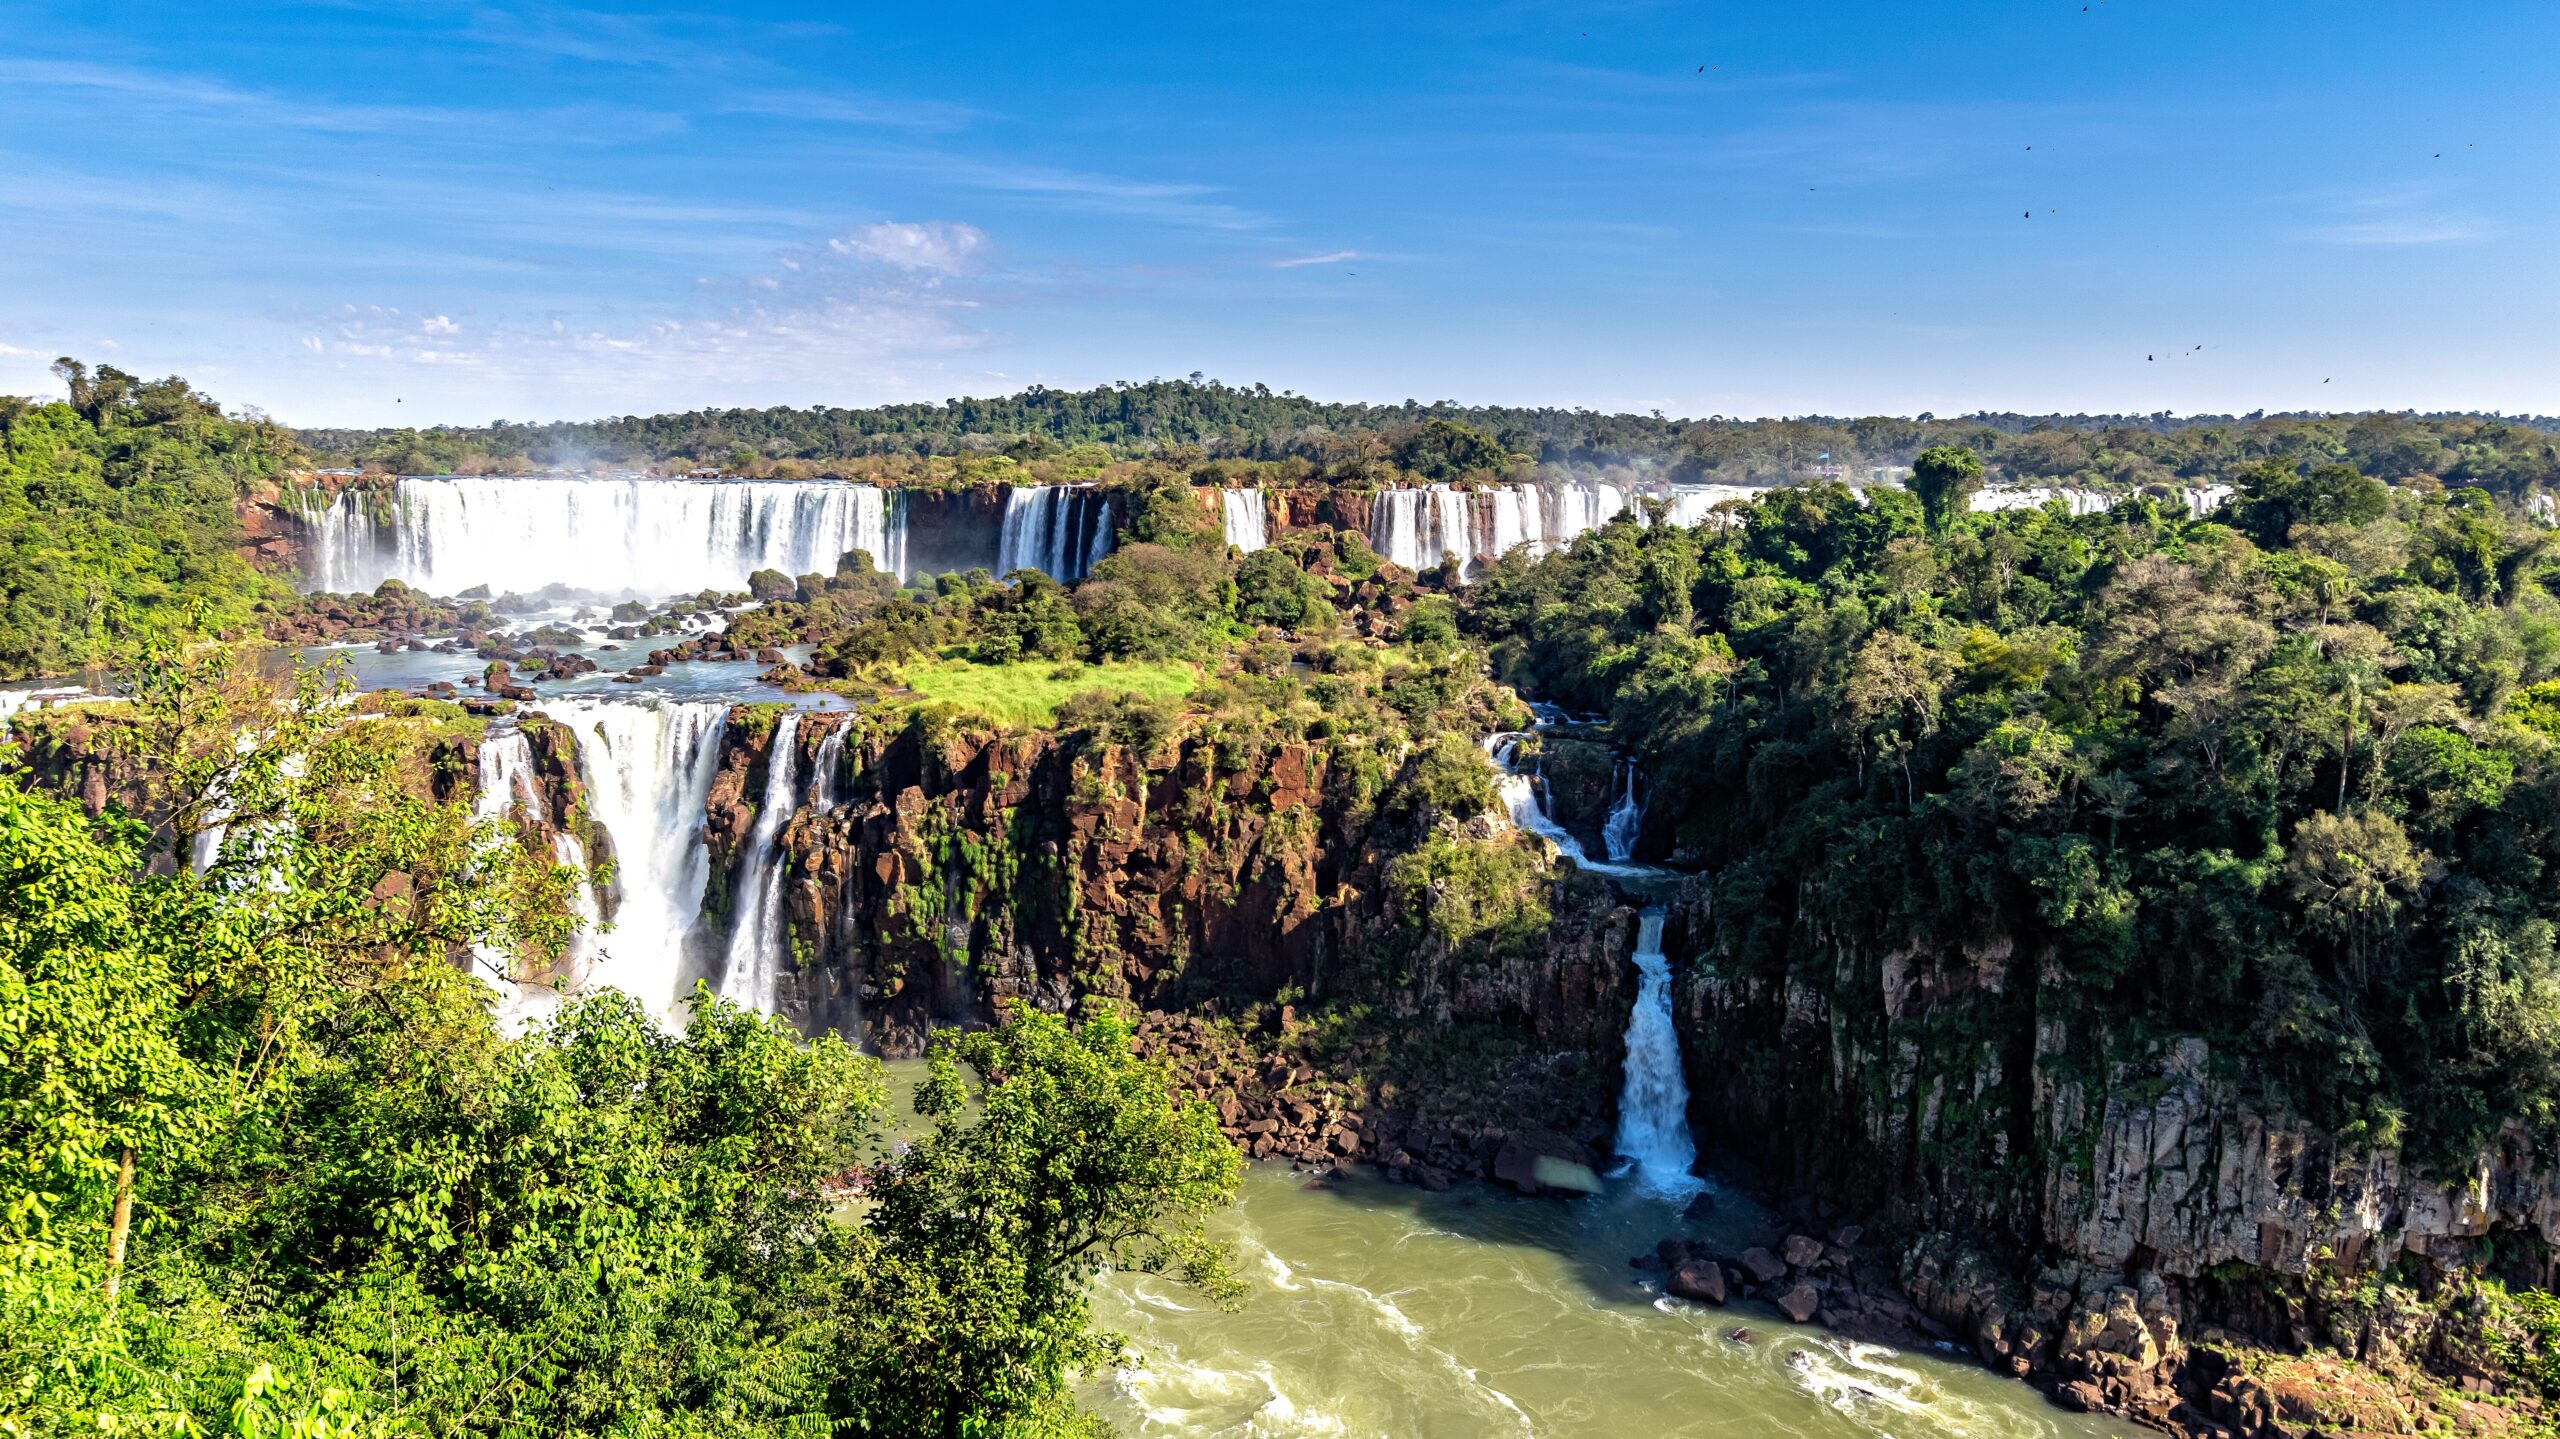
(1653, 1106)
(636, 536)
(1063, 531)
(1247, 526)
(648, 766)
(1626, 817)
(755, 929)
(507, 786)
(1519, 791)
(829, 764)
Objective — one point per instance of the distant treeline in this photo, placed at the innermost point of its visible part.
(1205, 420)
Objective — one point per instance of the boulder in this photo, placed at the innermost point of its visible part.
(1763, 1266)
(1801, 1252)
(1698, 1279)
(1800, 1303)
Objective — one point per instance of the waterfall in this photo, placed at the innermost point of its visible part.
(1528, 809)
(1246, 527)
(1063, 531)
(506, 783)
(1653, 1107)
(1419, 528)
(648, 766)
(829, 764)
(618, 536)
(1626, 818)
(755, 929)
(1581, 507)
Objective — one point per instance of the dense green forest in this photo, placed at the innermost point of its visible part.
(1196, 418)
(118, 511)
(268, 1167)
(2285, 777)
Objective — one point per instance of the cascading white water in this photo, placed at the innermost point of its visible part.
(1653, 1105)
(506, 782)
(1063, 531)
(619, 536)
(1244, 514)
(648, 766)
(829, 764)
(1580, 508)
(1626, 817)
(755, 930)
(1419, 528)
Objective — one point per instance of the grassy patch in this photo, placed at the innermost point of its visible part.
(1028, 692)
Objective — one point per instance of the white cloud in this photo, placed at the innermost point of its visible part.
(440, 325)
(942, 246)
(1328, 259)
(8, 349)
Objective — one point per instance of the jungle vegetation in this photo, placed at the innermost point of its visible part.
(118, 512)
(1251, 434)
(2285, 776)
(268, 1165)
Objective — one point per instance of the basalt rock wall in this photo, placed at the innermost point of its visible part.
(961, 868)
(2087, 1207)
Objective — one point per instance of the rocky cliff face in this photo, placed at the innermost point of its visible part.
(1212, 884)
(2116, 1216)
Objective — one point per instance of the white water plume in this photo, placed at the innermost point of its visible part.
(1626, 817)
(1245, 518)
(648, 766)
(1062, 531)
(617, 536)
(1421, 528)
(829, 766)
(755, 931)
(1653, 1106)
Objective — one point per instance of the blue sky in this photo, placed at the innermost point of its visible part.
(377, 213)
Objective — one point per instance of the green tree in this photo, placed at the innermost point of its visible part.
(1945, 478)
(971, 1314)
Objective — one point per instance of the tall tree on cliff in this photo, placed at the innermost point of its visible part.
(1945, 478)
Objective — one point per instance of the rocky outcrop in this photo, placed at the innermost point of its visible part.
(1213, 884)
(2080, 1207)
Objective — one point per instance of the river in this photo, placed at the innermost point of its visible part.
(1383, 1311)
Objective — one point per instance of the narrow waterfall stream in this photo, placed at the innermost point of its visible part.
(1625, 824)
(755, 930)
(507, 787)
(1653, 1103)
(828, 767)
(1244, 515)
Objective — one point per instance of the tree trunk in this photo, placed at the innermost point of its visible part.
(123, 1222)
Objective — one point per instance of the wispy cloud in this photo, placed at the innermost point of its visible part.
(2398, 215)
(2437, 230)
(1167, 202)
(1333, 257)
(170, 91)
(937, 245)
